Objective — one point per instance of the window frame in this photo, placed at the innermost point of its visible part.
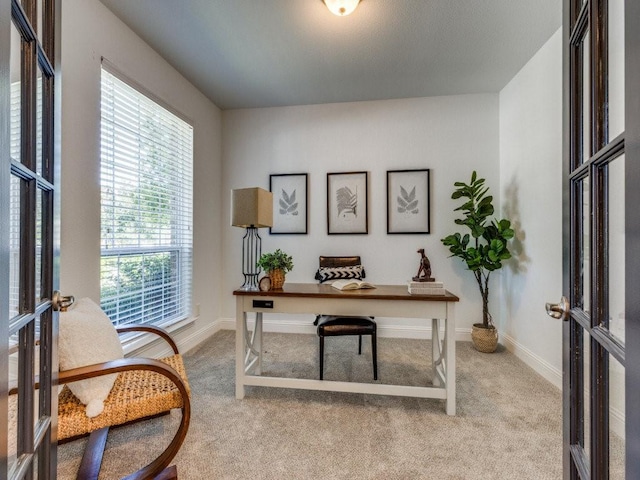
(180, 252)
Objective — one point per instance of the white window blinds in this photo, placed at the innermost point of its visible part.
(146, 177)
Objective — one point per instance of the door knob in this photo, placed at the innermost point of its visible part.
(559, 310)
(60, 303)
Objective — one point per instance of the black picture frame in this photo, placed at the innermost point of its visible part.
(290, 203)
(347, 203)
(408, 201)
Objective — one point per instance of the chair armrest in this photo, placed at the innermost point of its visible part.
(161, 332)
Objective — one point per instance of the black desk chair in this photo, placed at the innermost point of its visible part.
(334, 268)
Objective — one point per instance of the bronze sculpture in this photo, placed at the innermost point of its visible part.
(424, 270)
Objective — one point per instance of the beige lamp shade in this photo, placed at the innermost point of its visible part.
(251, 207)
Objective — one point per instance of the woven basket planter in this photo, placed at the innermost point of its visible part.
(277, 279)
(484, 339)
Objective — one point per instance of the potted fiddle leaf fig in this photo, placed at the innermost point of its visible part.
(482, 249)
(276, 265)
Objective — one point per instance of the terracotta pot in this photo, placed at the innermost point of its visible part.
(277, 279)
(484, 339)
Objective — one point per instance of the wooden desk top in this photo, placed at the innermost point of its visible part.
(381, 292)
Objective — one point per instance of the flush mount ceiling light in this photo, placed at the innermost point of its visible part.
(341, 8)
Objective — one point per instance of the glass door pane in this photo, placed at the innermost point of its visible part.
(14, 246)
(40, 21)
(15, 115)
(616, 67)
(586, 99)
(586, 394)
(616, 247)
(39, 120)
(585, 233)
(38, 247)
(13, 405)
(616, 420)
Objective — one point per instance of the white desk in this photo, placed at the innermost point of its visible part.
(383, 301)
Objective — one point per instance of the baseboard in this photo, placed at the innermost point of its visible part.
(384, 330)
(198, 336)
(540, 365)
(185, 338)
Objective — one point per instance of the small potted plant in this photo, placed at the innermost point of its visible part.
(276, 265)
(483, 250)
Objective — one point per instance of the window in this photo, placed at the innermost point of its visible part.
(146, 158)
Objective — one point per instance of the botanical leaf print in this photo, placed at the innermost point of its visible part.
(407, 202)
(288, 204)
(347, 200)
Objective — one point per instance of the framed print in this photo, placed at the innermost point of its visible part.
(408, 201)
(347, 210)
(290, 203)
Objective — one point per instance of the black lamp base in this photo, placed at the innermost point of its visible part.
(251, 251)
(250, 284)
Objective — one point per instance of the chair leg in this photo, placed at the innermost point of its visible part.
(321, 356)
(92, 458)
(359, 344)
(374, 354)
(169, 473)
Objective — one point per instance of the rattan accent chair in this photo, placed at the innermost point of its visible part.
(332, 325)
(145, 388)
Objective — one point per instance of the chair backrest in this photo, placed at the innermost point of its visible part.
(338, 262)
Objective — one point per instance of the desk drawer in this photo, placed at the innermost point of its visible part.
(262, 303)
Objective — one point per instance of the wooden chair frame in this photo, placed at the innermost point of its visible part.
(92, 458)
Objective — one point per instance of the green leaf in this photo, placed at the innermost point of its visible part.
(490, 236)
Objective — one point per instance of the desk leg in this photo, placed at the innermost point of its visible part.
(241, 328)
(436, 351)
(450, 357)
(257, 343)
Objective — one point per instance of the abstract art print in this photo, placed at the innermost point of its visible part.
(290, 200)
(347, 209)
(408, 201)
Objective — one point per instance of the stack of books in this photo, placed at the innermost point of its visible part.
(426, 288)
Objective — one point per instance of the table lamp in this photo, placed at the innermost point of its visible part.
(251, 208)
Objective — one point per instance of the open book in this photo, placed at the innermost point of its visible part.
(351, 284)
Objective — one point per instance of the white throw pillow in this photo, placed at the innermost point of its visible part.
(87, 336)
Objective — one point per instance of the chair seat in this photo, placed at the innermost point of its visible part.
(135, 395)
(330, 325)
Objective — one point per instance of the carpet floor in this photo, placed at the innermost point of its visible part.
(508, 423)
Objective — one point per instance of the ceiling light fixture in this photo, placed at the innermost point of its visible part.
(341, 8)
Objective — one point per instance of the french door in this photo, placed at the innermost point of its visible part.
(601, 234)
(29, 146)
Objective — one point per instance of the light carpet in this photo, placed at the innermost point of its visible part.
(508, 423)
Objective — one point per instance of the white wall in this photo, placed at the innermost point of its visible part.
(449, 135)
(90, 32)
(530, 180)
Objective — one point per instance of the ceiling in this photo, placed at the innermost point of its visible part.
(263, 53)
